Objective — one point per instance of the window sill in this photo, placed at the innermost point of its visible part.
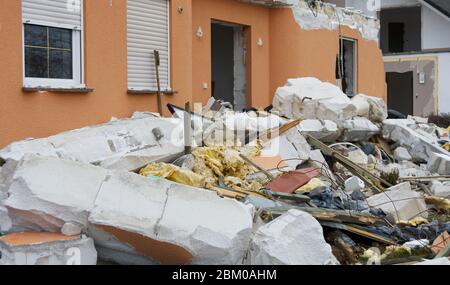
(61, 90)
(151, 92)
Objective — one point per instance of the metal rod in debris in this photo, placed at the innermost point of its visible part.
(158, 83)
(187, 129)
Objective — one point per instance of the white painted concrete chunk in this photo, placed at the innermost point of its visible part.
(214, 230)
(46, 192)
(402, 154)
(439, 163)
(357, 129)
(310, 98)
(325, 131)
(125, 144)
(76, 251)
(440, 190)
(400, 203)
(295, 238)
(420, 145)
(71, 229)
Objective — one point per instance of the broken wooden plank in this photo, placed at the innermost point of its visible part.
(321, 214)
(359, 231)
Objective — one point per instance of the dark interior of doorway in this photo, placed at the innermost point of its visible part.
(401, 91)
(346, 66)
(222, 45)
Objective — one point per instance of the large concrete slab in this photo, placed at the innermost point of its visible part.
(125, 144)
(173, 223)
(161, 220)
(400, 203)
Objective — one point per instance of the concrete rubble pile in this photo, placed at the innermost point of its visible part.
(317, 178)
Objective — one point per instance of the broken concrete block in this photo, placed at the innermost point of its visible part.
(71, 229)
(6, 175)
(126, 144)
(372, 108)
(359, 157)
(46, 192)
(357, 129)
(420, 146)
(289, 146)
(295, 238)
(310, 98)
(5, 221)
(401, 154)
(362, 106)
(440, 190)
(400, 203)
(173, 223)
(325, 131)
(163, 220)
(354, 184)
(30, 248)
(405, 169)
(439, 163)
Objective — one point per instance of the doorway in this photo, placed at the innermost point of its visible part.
(401, 91)
(228, 64)
(347, 69)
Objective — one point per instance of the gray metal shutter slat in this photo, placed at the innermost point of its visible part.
(148, 29)
(53, 12)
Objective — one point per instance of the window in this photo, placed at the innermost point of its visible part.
(148, 30)
(396, 37)
(52, 43)
(48, 52)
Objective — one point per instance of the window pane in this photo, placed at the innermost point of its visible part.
(60, 38)
(35, 35)
(60, 64)
(36, 62)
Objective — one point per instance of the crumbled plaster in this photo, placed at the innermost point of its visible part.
(328, 16)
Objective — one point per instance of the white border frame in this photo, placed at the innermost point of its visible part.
(77, 57)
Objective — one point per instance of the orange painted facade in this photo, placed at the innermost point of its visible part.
(288, 51)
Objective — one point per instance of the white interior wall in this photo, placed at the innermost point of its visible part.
(444, 83)
(435, 30)
(370, 7)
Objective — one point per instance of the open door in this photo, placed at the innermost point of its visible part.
(228, 51)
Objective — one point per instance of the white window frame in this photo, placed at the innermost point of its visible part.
(77, 81)
(167, 88)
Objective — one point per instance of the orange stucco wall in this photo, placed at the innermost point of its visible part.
(296, 53)
(288, 51)
(24, 114)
